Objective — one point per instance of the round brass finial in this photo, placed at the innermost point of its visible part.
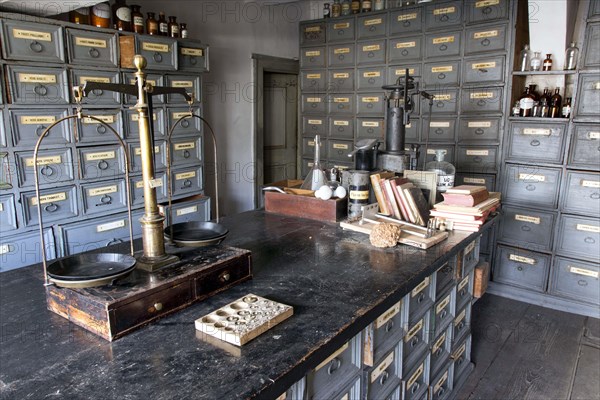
(139, 62)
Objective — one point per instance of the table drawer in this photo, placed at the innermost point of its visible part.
(341, 29)
(339, 80)
(338, 150)
(574, 279)
(95, 49)
(137, 188)
(160, 155)
(371, 52)
(8, 214)
(371, 103)
(582, 195)
(189, 211)
(314, 103)
(35, 85)
(98, 96)
(489, 181)
(406, 20)
(527, 227)
(312, 126)
(440, 129)
(483, 39)
(92, 131)
(370, 128)
(482, 70)
(521, 268)
(57, 204)
(444, 73)
(101, 162)
(384, 333)
(191, 84)
(371, 78)
(443, 44)
(405, 49)
(416, 379)
(441, 385)
(464, 291)
(445, 101)
(340, 127)
(419, 299)
(342, 103)
(188, 126)
(591, 55)
(588, 101)
(480, 159)
(415, 342)
(192, 57)
(462, 358)
(481, 100)
(313, 57)
(227, 275)
(537, 142)
(585, 148)
(54, 166)
(160, 53)
(342, 55)
(384, 376)
(443, 312)
(578, 237)
(443, 14)
(444, 278)
(461, 325)
(28, 125)
(132, 130)
(531, 185)
(312, 33)
(374, 26)
(152, 79)
(187, 181)
(484, 11)
(30, 41)
(479, 129)
(104, 197)
(313, 81)
(186, 151)
(24, 249)
(441, 347)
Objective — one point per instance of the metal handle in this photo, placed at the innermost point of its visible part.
(341, 57)
(461, 325)
(371, 80)
(103, 165)
(441, 392)
(193, 60)
(158, 307)
(40, 90)
(47, 170)
(582, 283)
(421, 298)
(93, 52)
(106, 199)
(535, 143)
(404, 52)
(415, 341)
(186, 154)
(440, 104)
(485, 42)
(157, 57)
(185, 123)
(187, 183)
(481, 103)
(595, 196)
(444, 18)
(39, 130)
(51, 207)
(225, 276)
(415, 387)
(370, 130)
(36, 46)
(101, 129)
(372, 28)
(114, 241)
(438, 352)
(370, 54)
(384, 377)
(463, 292)
(460, 361)
(340, 32)
(406, 24)
(443, 47)
(526, 228)
(486, 10)
(589, 240)
(311, 59)
(530, 188)
(98, 92)
(370, 105)
(443, 314)
(340, 129)
(334, 365)
(479, 131)
(389, 326)
(441, 76)
(439, 131)
(477, 159)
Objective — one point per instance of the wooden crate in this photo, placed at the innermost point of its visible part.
(482, 276)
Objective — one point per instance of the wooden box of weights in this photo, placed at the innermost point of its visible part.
(112, 311)
(302, 203)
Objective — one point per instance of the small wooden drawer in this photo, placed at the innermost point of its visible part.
(416, 379)
(132, 124)
(521, 268)
(489, 181)
(444, 278)
(371, 52)
(464, 291)
(57, 204)
(443, 44)
(462, 358)
(591, 53)
(341, 127)
(405, 49)
(371, 78)
(461, 325)
(585, 148)
(160, 155)
(196, 209)
(341, 30)
(483, 70)
(190, 83)
(341, 103)
(419, 300)
(342, 55)
(527, 227)
(92, 131)
(193, 56)
(30, 41)
(370, 128)
(531, 185)
(137, 188)
(479, 129)
(313, 57)
(152, 79)
(312, 33)
(95, 49)
(382, 334)
(578, 237)
(36, 85)
(187, 181)
(441, 347)
(440, 129)
(443, 14)
(219, 279)
(445, 101)
(98, 96)
(16, 251)
(406, 20)
(372, 26)
(575, 279)
(470, 257)
(582, 195)
(189, 126)
(443, 73)
(443, 312)
(104, 197)
(370, 103)
(588, 101)
(160, 52)
(101, 162)
(441, 385)
(340, 80)
(8, 214)
(486, 100)
(29, 124)
(537, 142)
(384, 376)
(478, 159)
(54, 166)
(186, 151)
(483, 39)
(338, 150)
(484, 11)
(313, 81)
(314, 103)
(415, 342)
(312, 126)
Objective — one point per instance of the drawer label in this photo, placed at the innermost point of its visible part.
(470, 247)
(373, 47)
(5, 248)
(443, 39)
(442, 305)
(537, 132)
(136, 117)
(38, 120)
(584, 272)
(447, 68)
(594, 135)
(460, 317)
(420, 287)
(331, 357)
(148, 81)
(44, 161)
(478, 152)
(406, 17)
(372, 74)
(313, 100)
(313, 76)
(485, 34)
(154, 183)
(1, 207)
(521, 259)
(388, 315)
(376, 21)
(313, 53)
(311, 143)
(405, 45)
(409, 125)
(479, 124)
(311, 29)
(49, 198)
(107, 119)
(411, 381)
(588, 228)
(339, 146)
(402, 72)
(442, 97)
(344, 50)
(413, 331)
(185, 175)
(370, 99)
(438, 343)
(102, 190)
(382, 367)
(138, 150)
(315, 122)
(433, 151)
(486, 3)
(527, 218)
(105, 155)
(370, 124)
(341, 100)
(460, 351)
(439, 124)
(343, 25)
(438, 385)
(445, 10)
(341, 123)
(37, 78)
(33, 35)
(531, 177)
(341, 75)
(101, 79)
(590, 184)
(162, 48)
(484, 65)
(87, 42)
(183, 114)
(182, 84)
(188, 51)
(341, 167)
(184, 146)
(479, 181)
(482, 95)
(110, 226)
(187, 210)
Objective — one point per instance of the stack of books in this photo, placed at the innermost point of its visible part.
(399, 198)
(466, 207)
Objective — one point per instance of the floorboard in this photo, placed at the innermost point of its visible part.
(586, 385)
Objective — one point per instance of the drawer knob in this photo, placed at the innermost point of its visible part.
(406, 24)
(334, 365)
(486, 10)
(94, 53)
(340, 129)
(442, 76)
(114, 241)
(439, 131)
(51, 207)
(481, 103)
(444, 18)
(535, 143)
(371, 80)
(47, 170)
(106, 199)
(440, 104)
(443, 314)
(370, 130)
(40, 90)
(520, 268)
(103, 165)
(589, 240)
(460, 361)
(414, 342)
(341, 57)
(158, 306)
(526, 228)
(39, 130)
(372, 28)
(185, 123)
(477, 159)
(485, 42)
(36, 46)
(193, 60)
(582, 282)
(157, 57)
(415, 387)
(186, 154)
(341, 32)
(311, 59)
(101, 129)
(438, 352)
(370, 105)
(225, 276)
(421, 298)
(384, 377)
(463, 292)
(595, 196)
(461, 325)
(479, 131)
(530, 188)
(441, 392)
(187, 183)
(404, 52)
(389, 326)
(370, 54)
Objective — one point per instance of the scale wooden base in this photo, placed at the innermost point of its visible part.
(112, 311)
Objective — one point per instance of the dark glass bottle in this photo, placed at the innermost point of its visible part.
(555, 104)
(366, 6)
(121, 16)
(355, 6)
(533, 91)
(546, 95)
(346, 7)
(101, 15)
(544, 108)
(80, 16)
(163, 25)
(526, 102)
(547, 64)
(151, 24)
(137, 19)
(183, 31)
(173, 27)
(326, 10)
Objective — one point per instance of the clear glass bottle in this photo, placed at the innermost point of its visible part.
(137, 19)
(346, 7)
(173, 27)
(556, 104)
(378, 5)
(444, 170)
(151, 24)
(163, 25)
(547, 64)
(336, 9)
(515, 109)
(546, 95)
(183, 30)
(526, 102)
(366, 6)
(524, 58)
(571, 56)
(327, 10)
(544, 108)
(536, 62)
(566, 108)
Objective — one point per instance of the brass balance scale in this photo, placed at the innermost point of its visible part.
(111, 293)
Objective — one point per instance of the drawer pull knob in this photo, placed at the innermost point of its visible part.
(595, 196)
(370, 54)
(389, 326)
(371, 80)
(372, 28)
(157, 57)
(185, 123)
(442, 76)
(384, 377)
(441, 392)
(370, 105)
(370, 130)
(39, 130)
(582, 282)
(98, 92)
(406, 24)
(414, 342)
(313, 105)
(187, 183)
(460, 361)
(193, 60)
(461, 325)
(47, 170)
(106, 199)
(439, 131)
(334, 365)
(341, 57)
(101, 129)
(438, 352)
(526, 228)
(51, 207)
(404, 52)
(443, 314)
(444, 18)
(341, 106)
(520, 268)
(186, 154)
(314, 128)
(443, 47)
(440, 104)
(114, 241)
(103, 165)
(94, 53)
(340, 129)
(479, 131)
(589, 240)
(36, 46)
(481, 103)
(40, 90)
(486, 10)
(341, 32)
(485, 42)
(477, 159)
(483, 70)
(158, 306)
(311, 59)
(421, 298)
(535, 143)
(415, 387)
(530, 188)
(225, 276)
(463, 292)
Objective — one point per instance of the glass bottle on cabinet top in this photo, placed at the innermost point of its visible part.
(444, 170)
(336, 9)
(547, 65)
(524, 59)
(121, 16)
(173, 27)
(355, 6)
(183, 31)
(536, 61)
(151, 24)
(571, 55)
(556, 104)
(346, 7)
(163, 25)
(137, 19)
(366, 6)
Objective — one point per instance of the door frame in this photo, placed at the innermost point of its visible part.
(264, 64)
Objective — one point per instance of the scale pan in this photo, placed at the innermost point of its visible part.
(89, 270)
(196, 234)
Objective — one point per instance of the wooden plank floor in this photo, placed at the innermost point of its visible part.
(522, 351)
